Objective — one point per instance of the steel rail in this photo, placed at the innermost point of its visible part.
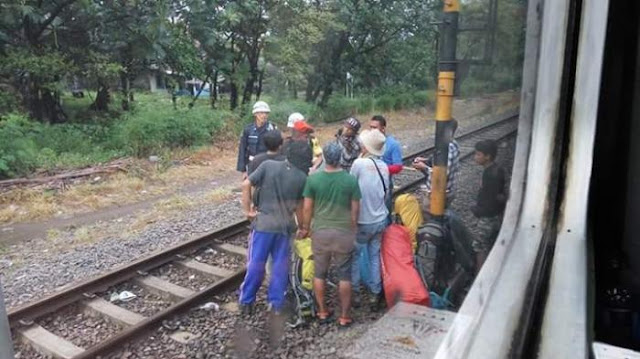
(25, 314)
(504, 119)
(55, 301)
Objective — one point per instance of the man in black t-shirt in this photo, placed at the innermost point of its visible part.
(491, 200)
(272, 141)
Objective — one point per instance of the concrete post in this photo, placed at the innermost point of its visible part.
(6, 345)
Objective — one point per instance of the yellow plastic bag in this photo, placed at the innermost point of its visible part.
(303, 250)
(408, 208)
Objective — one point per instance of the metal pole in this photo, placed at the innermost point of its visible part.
(6, 346)
(444, 101)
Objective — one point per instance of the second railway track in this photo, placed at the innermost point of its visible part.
(193, 264)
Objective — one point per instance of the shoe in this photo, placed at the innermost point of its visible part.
(325, 317)
(377, 302)
(247, 310)
(356, 300)
(344, 322)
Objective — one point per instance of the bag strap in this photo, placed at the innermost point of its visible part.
(380, 174)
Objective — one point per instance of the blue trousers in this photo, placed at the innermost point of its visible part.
(367, 265)
(261, 245)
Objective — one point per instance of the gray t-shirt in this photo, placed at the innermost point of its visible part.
(279, 186)
(373, 208)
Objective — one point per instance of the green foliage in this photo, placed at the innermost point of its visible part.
(17, 149)
(154, 126)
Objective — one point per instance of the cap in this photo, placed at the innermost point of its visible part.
(352, 123)
(302, 126)
(293, 118)
(332, 152)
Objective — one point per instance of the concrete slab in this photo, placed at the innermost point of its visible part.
(233, 249)
(606, 351)
(48, 343)
(204, 268)
(164, 288)
(112, 312)
(407, 331)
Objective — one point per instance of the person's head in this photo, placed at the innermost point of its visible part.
(372, 142)
(293, 118)
(378, 122)
(261, 112)
(486, 151)
(351, 127)
(332, 152)
(272, 140)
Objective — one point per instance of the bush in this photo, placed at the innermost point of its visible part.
(18, 151)
(146, 131)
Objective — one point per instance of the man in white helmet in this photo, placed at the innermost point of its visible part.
(251, 141)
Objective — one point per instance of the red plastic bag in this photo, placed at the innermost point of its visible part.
(400, 278)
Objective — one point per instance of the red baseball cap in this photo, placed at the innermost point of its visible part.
(302, 126)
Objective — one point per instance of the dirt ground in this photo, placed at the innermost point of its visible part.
(151, 190)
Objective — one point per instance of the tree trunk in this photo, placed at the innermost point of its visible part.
(103, 99)
(126, 96)
(328, 90)
(214, 90)
(260, 79)
(233, 95)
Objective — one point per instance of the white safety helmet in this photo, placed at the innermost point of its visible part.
(293, 118)
(261, 106)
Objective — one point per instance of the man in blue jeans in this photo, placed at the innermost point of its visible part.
(281, 185)
(373, 179)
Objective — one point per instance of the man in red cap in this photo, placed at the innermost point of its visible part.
(297, 147)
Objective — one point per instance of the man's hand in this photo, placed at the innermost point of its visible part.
(420, 166)
(302, 233)
(251, 214)
(244, 175)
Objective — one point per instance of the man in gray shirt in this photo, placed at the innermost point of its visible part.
(281, 185)
(373, 179)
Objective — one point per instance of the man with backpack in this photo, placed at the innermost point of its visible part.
(332, 199)
(491, 199)
(252, 141)
(373, 179)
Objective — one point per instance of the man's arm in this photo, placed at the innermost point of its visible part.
(355, 210)
(302, 230)
(307, 212)
(248, 210)
(396, 160)
(242, 147)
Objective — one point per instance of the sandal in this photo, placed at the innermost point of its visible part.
(324, 317)
(344, 322)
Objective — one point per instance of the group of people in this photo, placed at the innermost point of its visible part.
(339, 196)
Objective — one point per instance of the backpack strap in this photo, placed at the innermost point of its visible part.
(381, 178)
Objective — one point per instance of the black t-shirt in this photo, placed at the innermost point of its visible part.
(492, 195)
(261, 158)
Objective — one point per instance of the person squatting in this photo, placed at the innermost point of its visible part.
(340, 197)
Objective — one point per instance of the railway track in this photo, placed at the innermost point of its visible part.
(170, 281)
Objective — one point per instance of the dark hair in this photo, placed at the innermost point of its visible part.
(381, 119)
(488, 147)
(272, 140)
